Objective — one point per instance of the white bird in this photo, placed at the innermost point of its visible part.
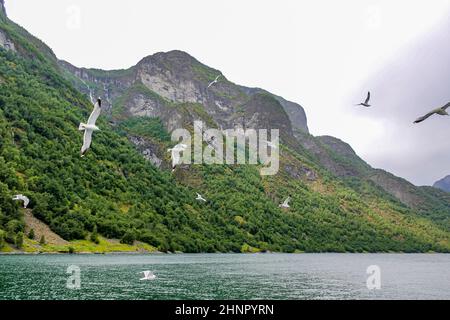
(366, 103)
(285, 204)
(148, 275)
(200, 198)
(215, 81)
(90, 127)
(271, 144)
(176, 154)
(21, 197)
(442, 111)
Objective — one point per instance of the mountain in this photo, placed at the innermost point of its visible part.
(124, 188)
(2, 8)
(175, 77)
(443, 184)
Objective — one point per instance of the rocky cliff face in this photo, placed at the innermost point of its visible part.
(2, 7)
(296, 113)
(176, 77)
(5, 42)
(443, 184)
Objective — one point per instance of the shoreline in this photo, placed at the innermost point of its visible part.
(20, 253)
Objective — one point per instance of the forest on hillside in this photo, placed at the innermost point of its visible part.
(114, 192)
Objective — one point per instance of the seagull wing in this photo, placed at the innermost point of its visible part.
(215, 81)
(95, 113)
(286, 202)
(175, 158)
(368, 98)
(272, 144)
(425, 117)
(25, 200)
(446, 106)
(86, 141)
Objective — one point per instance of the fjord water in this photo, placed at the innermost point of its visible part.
(226, 276)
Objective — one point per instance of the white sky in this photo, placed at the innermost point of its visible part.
(317, 53)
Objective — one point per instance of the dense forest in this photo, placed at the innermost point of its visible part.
(115, 192)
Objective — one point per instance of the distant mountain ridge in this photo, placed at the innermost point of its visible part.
(443, 184)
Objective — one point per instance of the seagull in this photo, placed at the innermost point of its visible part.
(440, 111)
(215, 81)
(210, 141)
(200, 198)
(285, 204)
(270, 144)
(90, 127)
(148, 275)
(176, 154)
(21, 197)
(366, 103)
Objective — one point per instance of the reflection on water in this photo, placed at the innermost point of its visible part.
(227, 276)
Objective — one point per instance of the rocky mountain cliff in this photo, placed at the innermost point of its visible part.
(124, 187)
(2, 7)
(443, 184)
(175, 77)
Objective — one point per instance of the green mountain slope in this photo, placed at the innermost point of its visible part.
(124, 195)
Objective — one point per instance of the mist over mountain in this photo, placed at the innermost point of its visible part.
(124, 188)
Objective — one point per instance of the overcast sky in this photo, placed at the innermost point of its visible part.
(323, 54)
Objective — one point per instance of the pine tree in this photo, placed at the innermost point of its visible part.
(94, 235)
(19, 240)
(2, 239)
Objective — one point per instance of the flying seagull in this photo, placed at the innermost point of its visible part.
(21, 197)
(442, 111)
(366, 103)
(270, 144)
(148, 275)
(200, 198)
(215, 81)
(176, 154)
(285, 204)
(90, 127)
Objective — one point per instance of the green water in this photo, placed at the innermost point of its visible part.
(226, 276)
